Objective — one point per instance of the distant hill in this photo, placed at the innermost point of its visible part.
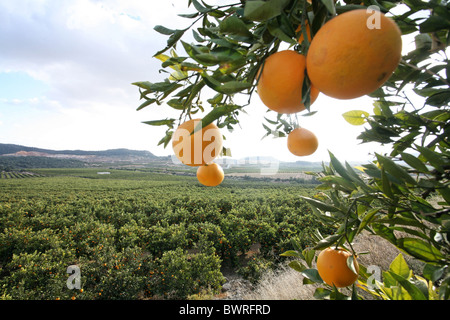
(13, 149)
(17, 156)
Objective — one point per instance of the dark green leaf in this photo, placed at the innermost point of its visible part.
(215, 114)
(368, 218)
(329, 4)
(296, 265)
(414, 162)
(413, 290)
(433, 273)
(433, 24)
(146, 103)
(234, 26)
(435, 159)
(291, 253)
(263, 10)
(164, 30)
(327, 242)
(320, 205)
(420, 249)
(313, 275)
(384, 232)
(395, 170)
(322, 293)
(230, 87)
(166, 122)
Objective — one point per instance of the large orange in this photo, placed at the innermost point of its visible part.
(333, 269)
(199, 148)
(354, 54)
(210, 175)
(281, 81)
(302, 142)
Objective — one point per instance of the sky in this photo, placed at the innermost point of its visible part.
(66, 68)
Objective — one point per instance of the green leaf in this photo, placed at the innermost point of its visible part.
(164, 30)
(356, 117)
(291, 253)
(414, 162)
(296, 265)
(327, 242)
(313, 275)
(351, 264)
(414, 291)
(309, 254)
(339, 167)
(433, 273)
(166, 122)
(420, 249)
(146, 103)
(433, 24)
(234, 26)
(329, 4)
(400, 267)
(176, 104)
(229, 87)
(320, 205)
(322, 293)
(215, 114)
(368, 218)
(263, 10)
(384, 232)
(435, 159)
(394, 169)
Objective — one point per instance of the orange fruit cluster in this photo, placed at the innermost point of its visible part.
(199, 148)
(351, 55)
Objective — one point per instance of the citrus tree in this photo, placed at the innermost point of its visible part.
(344, 49)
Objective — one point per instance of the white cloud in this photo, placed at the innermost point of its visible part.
(89, 52)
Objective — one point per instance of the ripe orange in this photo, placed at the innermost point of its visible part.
(199, 148)
(210, 175)
(281, 81)
(333, 269)
(347, 59)
(302, 142)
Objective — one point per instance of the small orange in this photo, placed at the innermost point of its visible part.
(281, 80)
(210, 175)
(199, 148)
(333, 269)
(354, 54)
(302, 142)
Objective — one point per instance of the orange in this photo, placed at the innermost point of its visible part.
(199, 148)
(333, 269)
(354, 54)
(281, 81)
(210, 175)
(302, 142)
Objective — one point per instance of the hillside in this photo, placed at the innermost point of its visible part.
(14, 156)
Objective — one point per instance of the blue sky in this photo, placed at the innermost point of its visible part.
(66, 68)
